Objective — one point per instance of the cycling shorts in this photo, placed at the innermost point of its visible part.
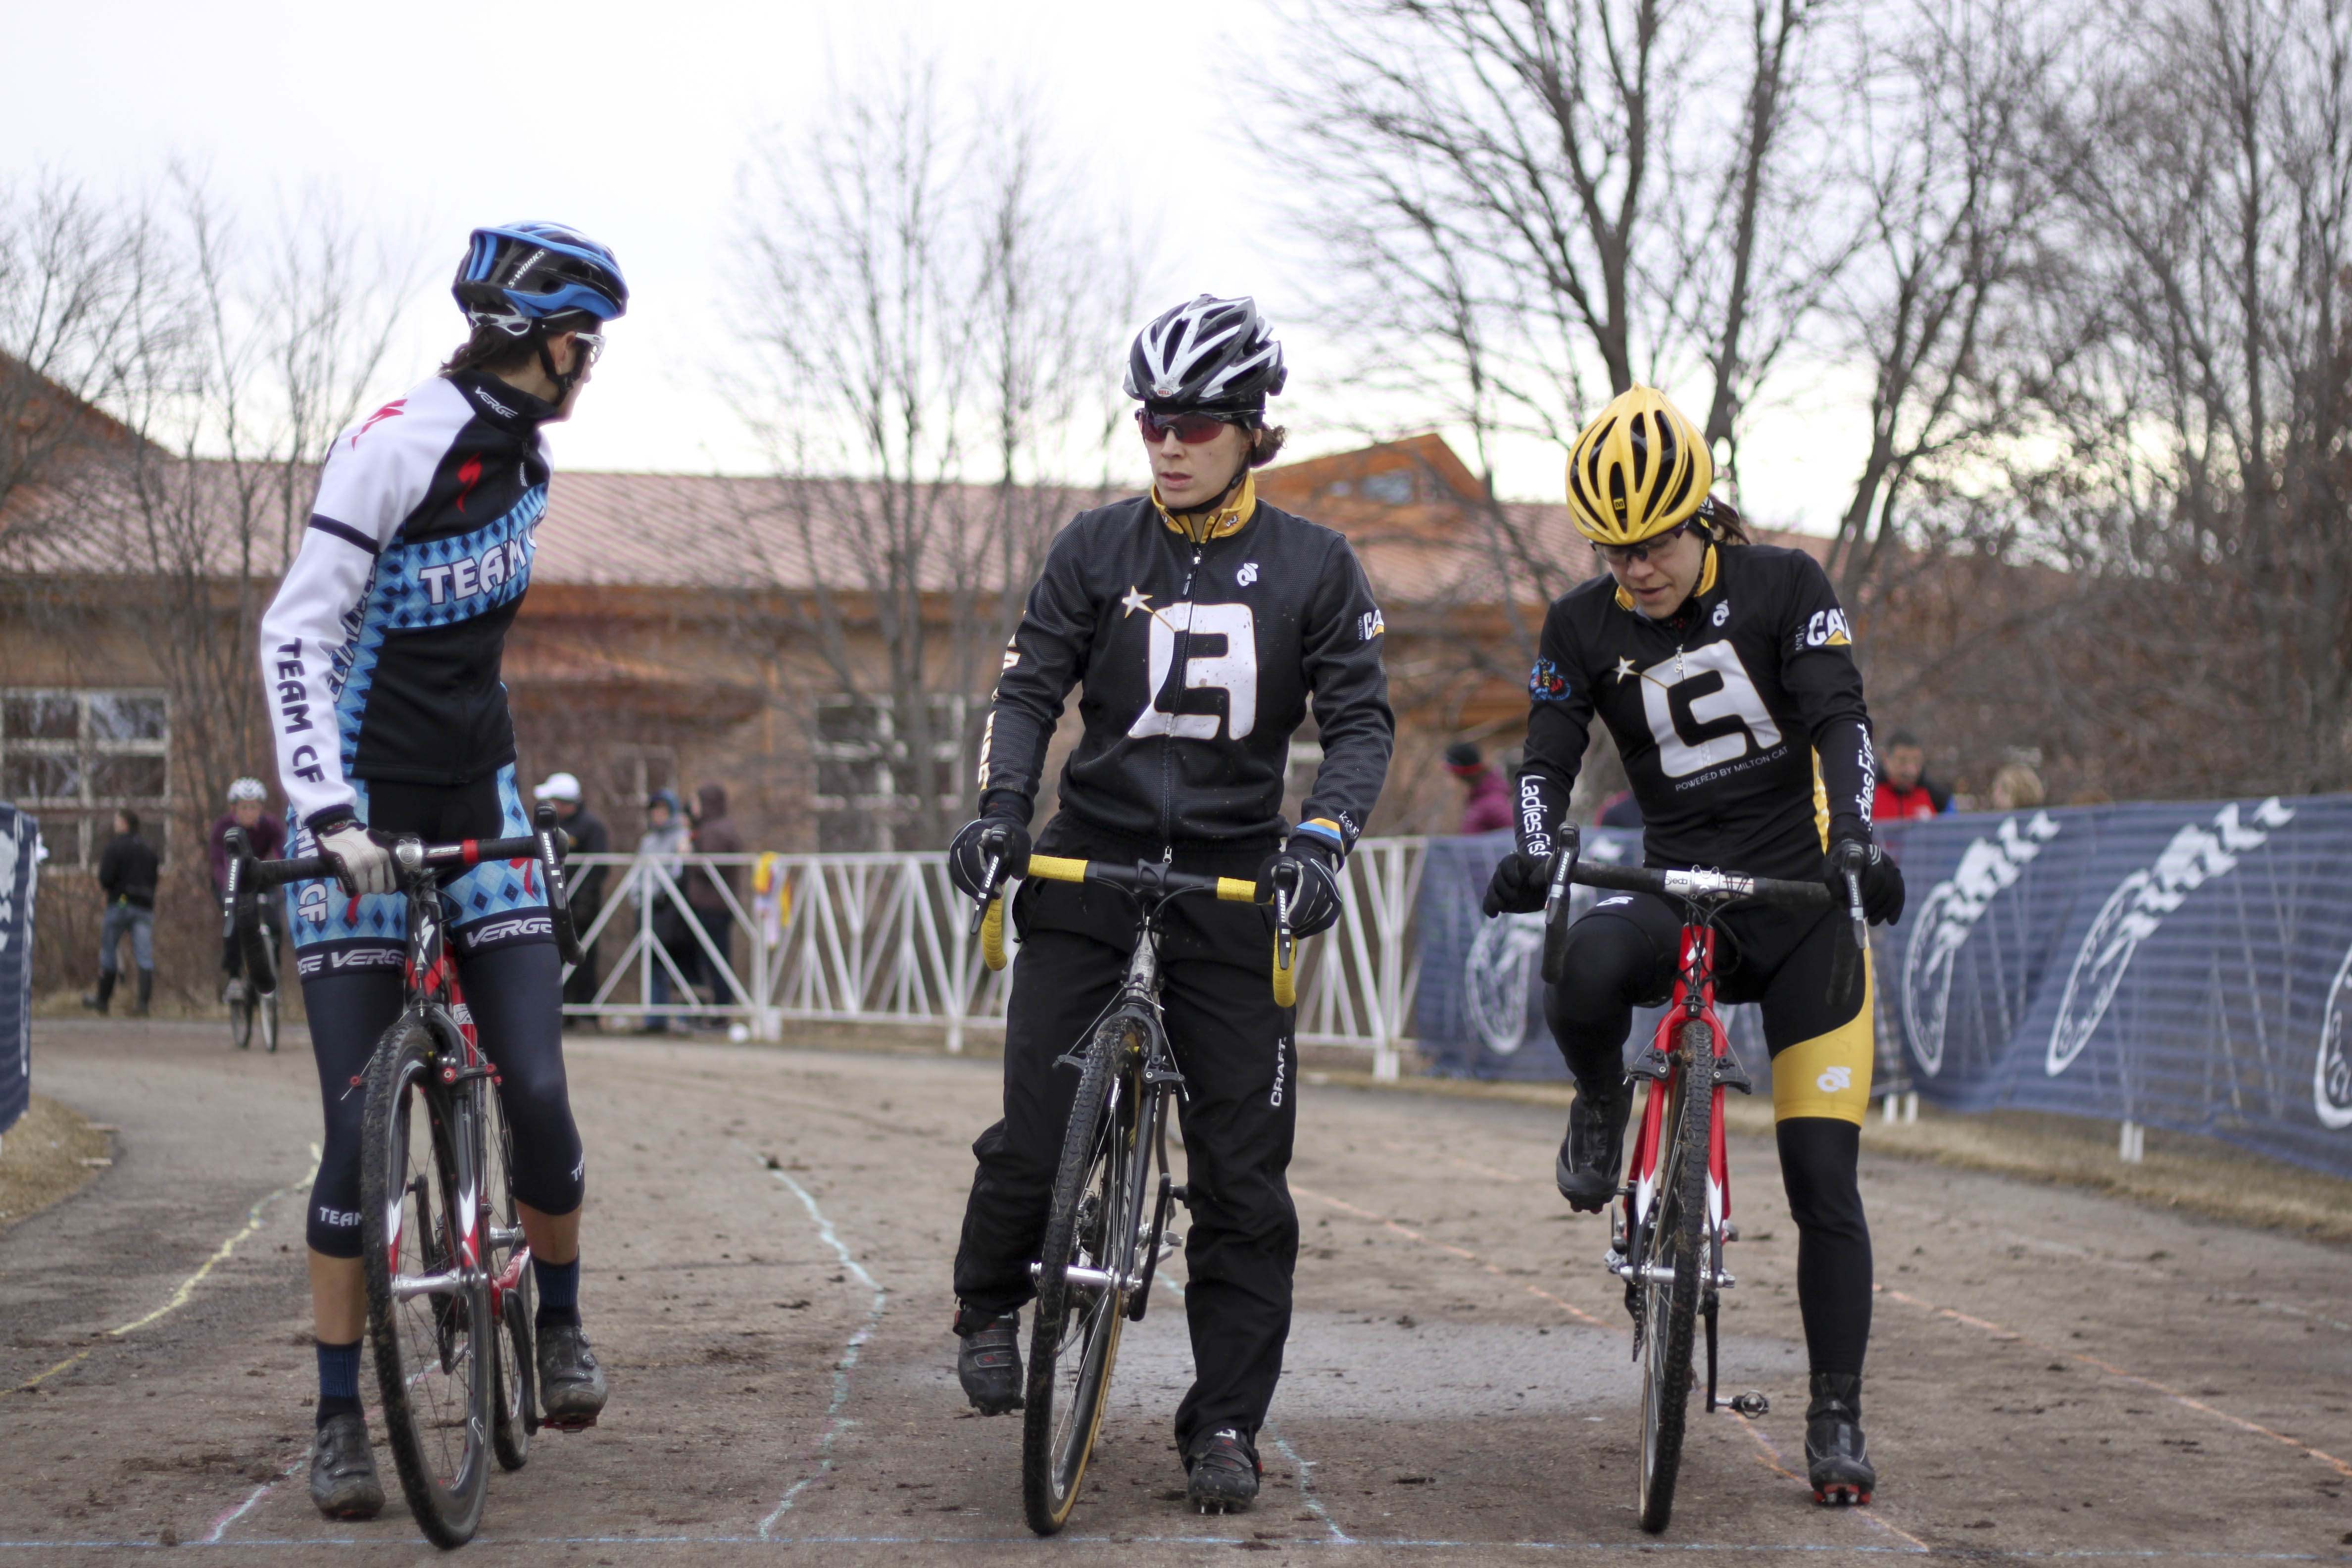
(499, 904)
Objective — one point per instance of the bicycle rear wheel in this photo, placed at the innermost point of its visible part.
(241, 1016)
(514, 1372)
(428, 1296)
(1091, 1226)
(1673, 1262)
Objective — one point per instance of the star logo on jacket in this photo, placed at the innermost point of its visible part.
(1136, 599)
(1247, 574)
(1624, 668)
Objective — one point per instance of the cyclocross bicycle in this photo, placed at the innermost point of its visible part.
(1107, 1228)
(249, 1008)
(449, 1286)
(1668, 1235)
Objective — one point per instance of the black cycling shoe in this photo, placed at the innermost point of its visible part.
(1835, 1460)
(342, 1469)
(1221, 1473)
(571, 1385)
(1587, 1169)
(988, 1360)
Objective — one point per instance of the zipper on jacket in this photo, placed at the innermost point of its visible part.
(1167, 737)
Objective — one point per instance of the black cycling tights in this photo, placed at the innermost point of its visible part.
(514, 994)
(1623, 956)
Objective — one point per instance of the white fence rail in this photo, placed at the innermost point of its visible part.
(882, 939)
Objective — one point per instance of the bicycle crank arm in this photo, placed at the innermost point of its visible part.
(408, 1287)
(1647, 1274)
(1087, 1278)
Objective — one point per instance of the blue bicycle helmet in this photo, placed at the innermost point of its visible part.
(519, 275)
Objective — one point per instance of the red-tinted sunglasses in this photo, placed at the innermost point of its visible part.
(1192, 429)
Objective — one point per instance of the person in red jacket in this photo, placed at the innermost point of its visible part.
(1485, 799)
(1903, 790)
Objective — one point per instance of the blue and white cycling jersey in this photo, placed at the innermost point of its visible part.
(382, 649)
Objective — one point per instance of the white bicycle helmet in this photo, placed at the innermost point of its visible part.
(246, 789)
(1209, 355)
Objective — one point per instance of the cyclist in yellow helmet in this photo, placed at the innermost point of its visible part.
(1724, 672)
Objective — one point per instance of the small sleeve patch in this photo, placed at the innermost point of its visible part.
(1546, 683)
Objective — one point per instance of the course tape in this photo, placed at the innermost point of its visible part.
(180, 1297)
(819, 1459)
(2132, 1377)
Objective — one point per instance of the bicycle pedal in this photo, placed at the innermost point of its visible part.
(568, 1422)
(1751, 1405)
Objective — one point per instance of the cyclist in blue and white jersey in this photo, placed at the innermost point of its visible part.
(380, 653)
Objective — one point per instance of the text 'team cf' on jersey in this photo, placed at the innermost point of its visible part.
(1198, 661)
(1718, 712)
(380, 651)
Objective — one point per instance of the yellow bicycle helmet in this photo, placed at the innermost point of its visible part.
(1637, 470)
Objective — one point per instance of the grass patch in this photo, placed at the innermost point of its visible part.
(41, 1159)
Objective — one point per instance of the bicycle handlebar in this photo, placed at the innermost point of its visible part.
(1145, 877)
(248, 877)
(1700, 884)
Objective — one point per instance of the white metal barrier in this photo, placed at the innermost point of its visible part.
(884, 939)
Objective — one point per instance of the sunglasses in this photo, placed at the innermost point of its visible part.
(591, 345)
(1626, 554)
(1192, 429)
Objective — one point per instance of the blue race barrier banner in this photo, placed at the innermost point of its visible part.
(2180, 966)
(20, 838)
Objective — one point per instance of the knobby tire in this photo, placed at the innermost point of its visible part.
(1098, 1161)
(1671, 1307)
(430, 1369)
(514, 1380)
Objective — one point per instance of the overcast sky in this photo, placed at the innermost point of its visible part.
(633, 123)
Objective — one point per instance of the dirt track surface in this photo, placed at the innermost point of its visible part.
(2053, 1372)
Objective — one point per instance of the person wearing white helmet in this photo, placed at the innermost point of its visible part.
(1204, 626)
(381, 657)
(584, 834)
(264, 835)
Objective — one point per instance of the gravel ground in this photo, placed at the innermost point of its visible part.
(2056, 1371)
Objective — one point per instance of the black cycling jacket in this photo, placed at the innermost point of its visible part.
(1198, 661)
(1718, 712)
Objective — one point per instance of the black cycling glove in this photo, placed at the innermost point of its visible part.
(971, 849)
(1520, 886)
(1315, 892)
(1882, 879)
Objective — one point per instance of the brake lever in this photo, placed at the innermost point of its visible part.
(1854, 905)
(1285, 945)
(988, 890)
(1556, 904)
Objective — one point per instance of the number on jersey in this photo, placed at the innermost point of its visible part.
(1232, 672)
(1727, 721)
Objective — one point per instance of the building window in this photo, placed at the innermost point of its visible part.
(867, 783)
(73, 758)
(1394, 487)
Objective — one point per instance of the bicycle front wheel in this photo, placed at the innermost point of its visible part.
(240, 1018)
(1090, 1229)
(1673, 1262)
(428, 1293)
(268, 1019)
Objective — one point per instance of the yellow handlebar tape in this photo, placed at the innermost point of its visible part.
(1285, 981)
(992, 934)
(1233, 890)
(1056, 869)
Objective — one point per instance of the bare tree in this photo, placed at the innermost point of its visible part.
(937, 312)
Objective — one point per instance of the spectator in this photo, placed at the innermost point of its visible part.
(1620, 810)
(663, 841)
(126, 874)
(714, 833)
(1485, 798)
(2015, 788)
(584, 834)
(1904, 791)
(264, 836)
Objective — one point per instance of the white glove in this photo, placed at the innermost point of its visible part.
(365, 865)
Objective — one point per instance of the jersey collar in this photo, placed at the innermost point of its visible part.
(1705, 583)
(1227, 519)
(500, 403)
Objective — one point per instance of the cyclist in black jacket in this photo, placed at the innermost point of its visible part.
(1203, 623)
(1725, 673)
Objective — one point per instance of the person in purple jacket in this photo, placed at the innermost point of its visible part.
(1485, 798)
